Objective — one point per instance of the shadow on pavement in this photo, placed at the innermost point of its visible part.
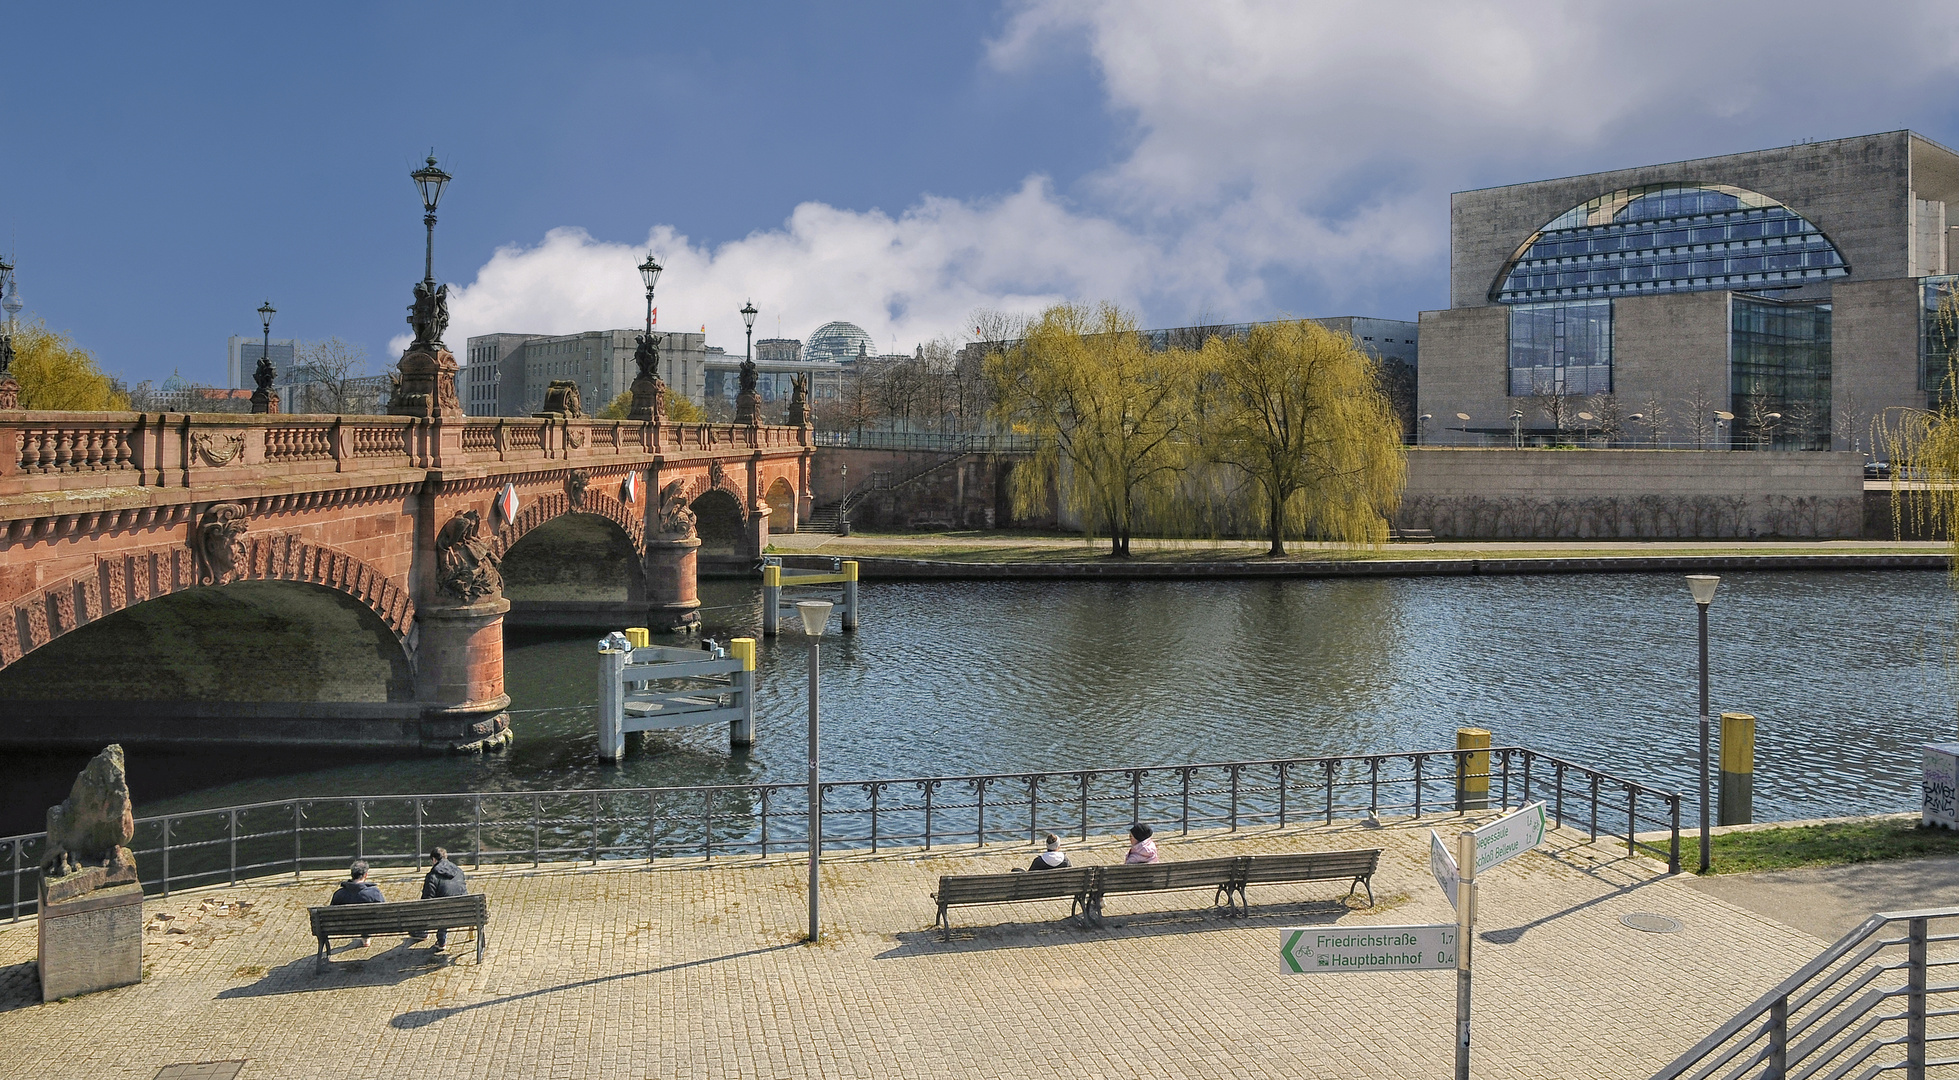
(1513, 934)
(386, 968)
(1017, 935)
(421, 1018)
(20, 986)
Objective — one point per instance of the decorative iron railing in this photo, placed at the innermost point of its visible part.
(930, 441)
(229, 844)
(1866, 1005)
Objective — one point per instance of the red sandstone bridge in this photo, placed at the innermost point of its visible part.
(345, 580)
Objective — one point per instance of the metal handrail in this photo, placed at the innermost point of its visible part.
(1826, 1019)
(223, 845)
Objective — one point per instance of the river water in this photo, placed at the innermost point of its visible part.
(1848, 673)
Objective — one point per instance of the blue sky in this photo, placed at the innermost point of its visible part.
(897, 165)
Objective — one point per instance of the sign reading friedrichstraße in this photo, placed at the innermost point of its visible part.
(1508, 837)
(1367, 948)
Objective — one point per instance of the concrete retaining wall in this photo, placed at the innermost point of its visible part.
(1662, 494)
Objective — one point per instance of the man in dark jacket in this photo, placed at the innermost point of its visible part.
(444, 879)
(358, 890)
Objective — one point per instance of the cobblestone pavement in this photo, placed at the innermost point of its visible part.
(695, 970)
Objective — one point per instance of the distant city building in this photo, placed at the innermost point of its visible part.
(778, 350)
(1793, 289)
(835, 342)
(178, 394)
(507, 374)
(241, 359)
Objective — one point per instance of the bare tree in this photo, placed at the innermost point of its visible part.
(330, 376)
(1700, 415)
(1608, 417)
(1850, 422)
(1555, 403)
(1654, 413)
(1759, 415)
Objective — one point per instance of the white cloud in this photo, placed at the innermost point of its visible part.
(1283, 157)
(902, 279)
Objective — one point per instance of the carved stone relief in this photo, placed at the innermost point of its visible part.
(218, 448)
(464, 567)
(219, 543)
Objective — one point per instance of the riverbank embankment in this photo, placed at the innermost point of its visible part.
(1049, 557)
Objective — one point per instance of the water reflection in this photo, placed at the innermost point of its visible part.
(1848, 672)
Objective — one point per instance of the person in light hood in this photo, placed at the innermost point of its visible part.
(1053, 858)
(1142, 849)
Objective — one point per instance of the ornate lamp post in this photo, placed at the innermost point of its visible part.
(1702, 586)
(262, 401)
(427, 384)
(814, 614)
(10, 302)
(649, 393)
(748, 402)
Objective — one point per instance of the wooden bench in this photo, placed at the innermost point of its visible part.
(1219, 874)
(413, 917)
(1072, 883)
(1309, 866)
(1411, 536)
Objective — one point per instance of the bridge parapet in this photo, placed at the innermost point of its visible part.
(69, 451)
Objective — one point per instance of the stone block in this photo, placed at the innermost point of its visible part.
(91, 943)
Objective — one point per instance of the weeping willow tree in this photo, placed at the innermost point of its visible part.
(1297, 411)
(1114, 419)
(56, 373)
(1923, 444)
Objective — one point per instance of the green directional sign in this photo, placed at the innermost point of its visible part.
(1509, 836)
(1367, 948)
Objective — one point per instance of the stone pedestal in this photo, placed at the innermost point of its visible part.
(92, 942)
(459, 675)
(672, 600)
(427, 386)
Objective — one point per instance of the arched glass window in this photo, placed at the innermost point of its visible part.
(1665, 238)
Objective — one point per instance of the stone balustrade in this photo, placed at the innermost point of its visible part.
(42, 452)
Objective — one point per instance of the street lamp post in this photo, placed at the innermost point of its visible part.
(262, 375)
(431, 180)
(1702, 586)
(10, 303)
(814, 614)
(748, 400)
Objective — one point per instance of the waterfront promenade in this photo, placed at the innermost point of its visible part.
(695, 969)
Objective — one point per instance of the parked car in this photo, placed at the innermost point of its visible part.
(1877, 470)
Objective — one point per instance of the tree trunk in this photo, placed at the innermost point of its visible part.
(1278, 525)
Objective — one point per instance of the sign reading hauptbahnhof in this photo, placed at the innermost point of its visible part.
(1367, 948)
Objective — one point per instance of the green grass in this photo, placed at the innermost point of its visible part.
(1820, 845)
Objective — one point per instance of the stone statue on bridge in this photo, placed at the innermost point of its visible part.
(464, 568)
(429, 314)
(649, 392)
(676, 520)
(561, 401)
(799, 401)
(748, 401)
(426, 383)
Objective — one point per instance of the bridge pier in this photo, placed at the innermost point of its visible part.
(459, 676)
(672, 594)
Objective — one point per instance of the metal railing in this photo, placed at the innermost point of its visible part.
(289, 836)
(1866, 1005)
(931, 441)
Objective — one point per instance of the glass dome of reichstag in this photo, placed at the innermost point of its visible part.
(836, 341)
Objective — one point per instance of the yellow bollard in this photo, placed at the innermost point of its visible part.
(850, 594)
(1473, 770)
(742, 731)
(639, 636)
(1737, 768)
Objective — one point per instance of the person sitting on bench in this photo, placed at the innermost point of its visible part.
(1053, 858)
(358, 890)
(1142, 849)
(444, 879)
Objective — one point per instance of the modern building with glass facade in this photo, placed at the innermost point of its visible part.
(1788, 289)
(507, 374)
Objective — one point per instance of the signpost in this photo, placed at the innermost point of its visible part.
(1367, 948)
(1431, 947)
(1443, 866)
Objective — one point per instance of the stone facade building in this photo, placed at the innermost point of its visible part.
(1777, 298)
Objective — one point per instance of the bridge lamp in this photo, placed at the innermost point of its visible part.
(262, 375)
(430, 180)
(814, 614)
(748, 314)
(1702, 586)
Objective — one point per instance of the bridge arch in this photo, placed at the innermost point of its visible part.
(127, 579)
(547, 508)
(781, 497)
(721, 522)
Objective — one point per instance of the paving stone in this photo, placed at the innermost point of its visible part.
(680, 969)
